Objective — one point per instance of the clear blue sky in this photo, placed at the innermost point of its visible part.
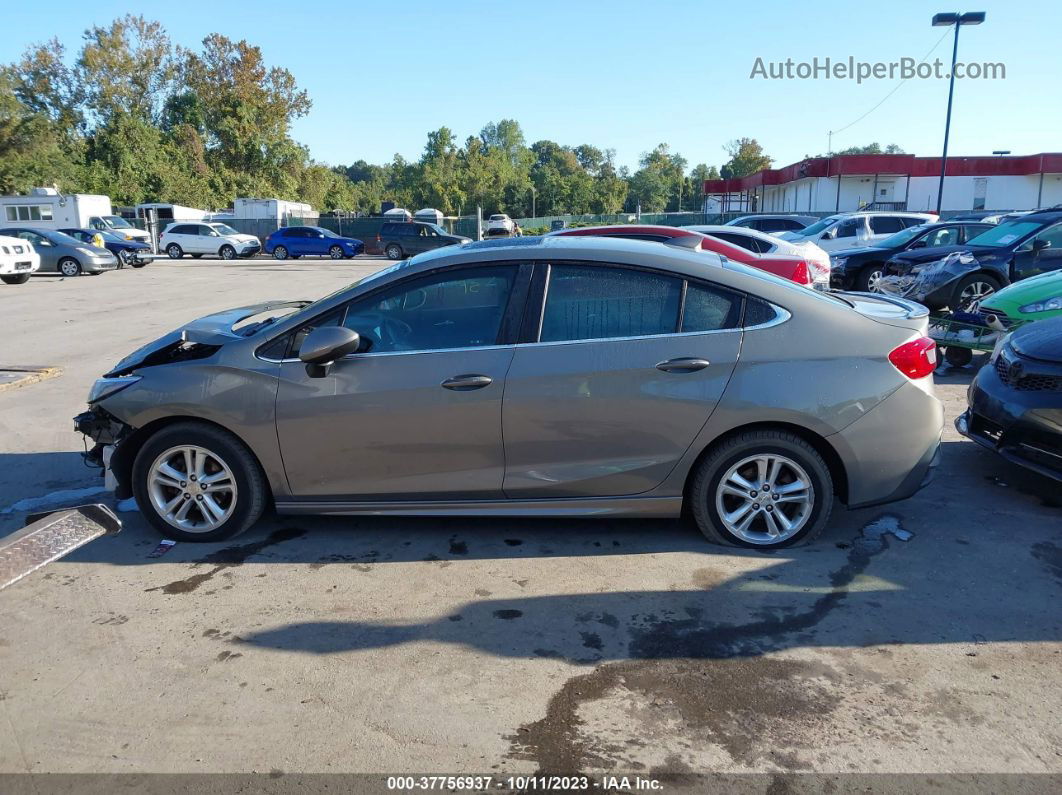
(622, 75)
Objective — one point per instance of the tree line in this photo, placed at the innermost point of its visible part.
(139, 118)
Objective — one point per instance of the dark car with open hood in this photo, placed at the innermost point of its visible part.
(1016, 399)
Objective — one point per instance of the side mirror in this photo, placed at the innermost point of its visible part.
(1040, 244)
(919, 244)
(324, 345)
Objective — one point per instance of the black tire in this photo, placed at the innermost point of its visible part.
(393, 251)
(958, 357)
(712, 468)
(17, 278)
(173, 251)
(336, 252)
(68, 266)
(137, 264)
(975, 282)
(227, 252)
(197, 256)
(867, 276)
(280, 252)
(251, 488)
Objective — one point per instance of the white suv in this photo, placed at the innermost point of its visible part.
(500, 221)
(214, 238)
(852, 230)
(17, 260)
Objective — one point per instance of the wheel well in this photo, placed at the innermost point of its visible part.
(822, 447)
(125, 454)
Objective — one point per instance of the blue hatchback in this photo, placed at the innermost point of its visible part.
(298, 241)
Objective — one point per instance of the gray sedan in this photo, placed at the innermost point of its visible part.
(536, 377)
(64, 254)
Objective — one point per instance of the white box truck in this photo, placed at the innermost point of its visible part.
(47, 208)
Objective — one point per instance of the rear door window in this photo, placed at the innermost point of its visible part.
(594, 302)
(710, 308)
(885, 224)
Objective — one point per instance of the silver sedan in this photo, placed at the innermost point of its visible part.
(535, 377)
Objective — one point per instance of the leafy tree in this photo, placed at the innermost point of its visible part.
(872, 149)
(746, 157)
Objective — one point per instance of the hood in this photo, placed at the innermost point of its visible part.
(858, 251)
(211, 331)
(1041, 340)
(939, 252)
(244, 238)
(1035, 288)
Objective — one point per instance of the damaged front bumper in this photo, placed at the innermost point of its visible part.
(106, 433)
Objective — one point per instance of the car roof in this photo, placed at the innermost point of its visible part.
(620, 229)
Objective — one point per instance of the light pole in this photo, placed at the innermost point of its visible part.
(958, 20)
(533, 202)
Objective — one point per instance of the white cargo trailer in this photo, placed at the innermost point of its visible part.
(278, 210)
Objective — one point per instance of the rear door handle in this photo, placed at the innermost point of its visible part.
(683, 365)
(466, 383)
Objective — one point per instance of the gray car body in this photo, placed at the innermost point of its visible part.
(60, 247)
(378, 436)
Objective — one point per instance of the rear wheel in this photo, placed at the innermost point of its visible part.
(198, 482)
(336, 252)
(393, 251)
(19, 278)
(68, 266)
(972, 290)
(762, 490)
(173, 251)
(869, 279)
(280, 252)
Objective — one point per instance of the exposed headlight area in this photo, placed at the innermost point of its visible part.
(105, 387)
(1052, 304)
(838, 262)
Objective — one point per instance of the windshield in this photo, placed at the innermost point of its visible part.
(908, 234)
(817, 227)
(1004, 234)
(111, 236)
(223, 229)
(116, 222)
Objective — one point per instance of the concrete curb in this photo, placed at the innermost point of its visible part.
(24, 376)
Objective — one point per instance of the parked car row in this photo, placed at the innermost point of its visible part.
(59, 253)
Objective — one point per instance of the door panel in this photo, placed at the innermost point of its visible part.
(1029, 262)
(598, 418)
(384, 426)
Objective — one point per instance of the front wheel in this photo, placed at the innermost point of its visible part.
(869, 279)
(198, 482)
(336, 252)
(280, 253)
(227, 252)
(173, 251)
(972, 290)
(68, 266)
(19, 278)
(762, 490)
(393, 251)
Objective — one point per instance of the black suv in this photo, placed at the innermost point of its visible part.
(861, 268)
(404, 239)
(1012, 251)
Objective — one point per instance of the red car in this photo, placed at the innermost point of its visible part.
(794, 268)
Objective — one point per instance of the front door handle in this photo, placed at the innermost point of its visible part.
(466, 383)
(683, 365)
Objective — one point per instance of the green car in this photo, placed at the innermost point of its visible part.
(1035, 298)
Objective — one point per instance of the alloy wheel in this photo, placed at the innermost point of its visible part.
(335, 252)
(765, 498)
(192, 488)
(874, 281)
(973, 294)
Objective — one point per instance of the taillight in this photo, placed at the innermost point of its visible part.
(915, 359)
(378, 240)
(801, 275)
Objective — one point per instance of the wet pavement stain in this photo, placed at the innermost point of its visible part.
(1050, 555)
(713, 677)
(228, 558)
(592, 640)
(458, 547)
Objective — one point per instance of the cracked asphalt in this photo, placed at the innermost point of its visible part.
(508, 646)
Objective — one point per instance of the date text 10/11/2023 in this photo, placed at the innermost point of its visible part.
(541, 783)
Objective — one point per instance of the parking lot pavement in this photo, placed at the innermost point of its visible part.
(507, 646)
